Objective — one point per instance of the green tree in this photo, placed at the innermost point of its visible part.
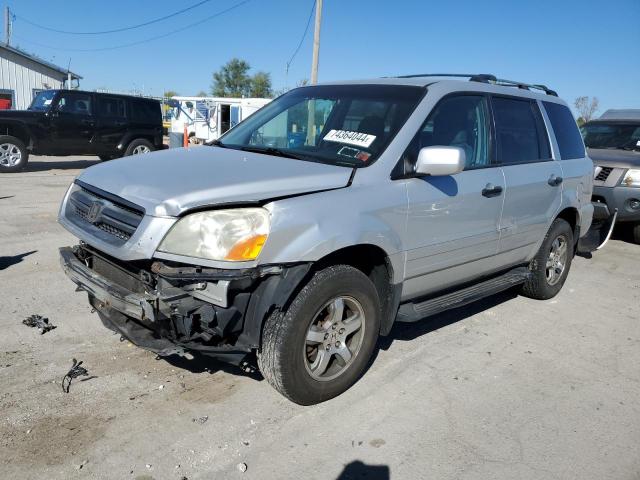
(170, 93)
(586, 107)
(261, 85)
(201, 93)
(232, 80)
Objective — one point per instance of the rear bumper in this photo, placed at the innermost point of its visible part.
(621, 198)
(170, 310)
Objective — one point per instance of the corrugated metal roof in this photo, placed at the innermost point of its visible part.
(621, 114)
(42, 62)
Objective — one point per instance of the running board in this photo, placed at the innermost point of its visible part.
(413, 312)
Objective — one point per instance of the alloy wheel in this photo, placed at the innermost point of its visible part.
(10, 155)
(557, 260)
(334, 338)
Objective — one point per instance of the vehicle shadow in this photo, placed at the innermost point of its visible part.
(357, 470)
(411, 331)
(203, 364)
(41, 166)
(6, 262)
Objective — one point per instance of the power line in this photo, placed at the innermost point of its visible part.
(132, 27)
(147, 40)
(304, 35)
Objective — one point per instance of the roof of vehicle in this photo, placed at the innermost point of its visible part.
(621, 114)
(487, 82)
(136, 97)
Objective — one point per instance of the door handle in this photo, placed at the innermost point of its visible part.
(491, 190)
(554, 180)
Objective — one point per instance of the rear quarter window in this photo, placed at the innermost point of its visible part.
(566, 130)
(145, 112)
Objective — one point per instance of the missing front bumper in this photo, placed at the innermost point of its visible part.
(172, 310)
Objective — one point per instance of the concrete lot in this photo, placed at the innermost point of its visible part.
(509, 388)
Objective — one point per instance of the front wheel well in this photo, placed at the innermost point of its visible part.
(17, 131)
(374, 262)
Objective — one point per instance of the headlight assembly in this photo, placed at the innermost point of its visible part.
(632, 178)
(234, 235)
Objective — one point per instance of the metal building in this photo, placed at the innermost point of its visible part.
(23, 75)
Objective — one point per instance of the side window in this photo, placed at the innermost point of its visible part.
(460, 121)
(566, 131)
(520, 133)
(145, 111)
(75, 103)
(111, 107)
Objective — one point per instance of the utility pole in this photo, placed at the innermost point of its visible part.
(7, 26)
(316, 43)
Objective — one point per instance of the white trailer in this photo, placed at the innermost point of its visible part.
(207, 118)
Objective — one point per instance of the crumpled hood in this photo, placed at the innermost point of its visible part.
(614, 158)
(169, 182)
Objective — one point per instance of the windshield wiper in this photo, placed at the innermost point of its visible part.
(216, 143)
(272, 151)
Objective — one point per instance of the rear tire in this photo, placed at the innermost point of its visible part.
(322, 344)
(139, 146)
(635, 233)
(13, 154)
(550, 266)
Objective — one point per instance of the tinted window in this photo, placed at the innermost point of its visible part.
(145, 112)
(566, 131)
(76, 103)
(614, 134)
(111, 107)
(520, 133)
(456, 122)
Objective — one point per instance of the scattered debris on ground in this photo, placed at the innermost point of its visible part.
(39, 322)
(242, 467)
(75, 371)
(200, 420)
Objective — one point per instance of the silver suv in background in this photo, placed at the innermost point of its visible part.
(307, 230)
(613, 143)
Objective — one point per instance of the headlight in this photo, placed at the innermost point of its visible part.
(632, 178)
(235, 235)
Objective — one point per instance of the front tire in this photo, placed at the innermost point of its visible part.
(322, 344)
(550, 267)
(13, 154)
(139, 146)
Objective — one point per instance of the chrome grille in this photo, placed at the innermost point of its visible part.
(91, 211)
(603, 174)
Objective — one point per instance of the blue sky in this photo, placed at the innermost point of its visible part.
(575, 47)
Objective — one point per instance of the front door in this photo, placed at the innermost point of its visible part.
(533, 178)
(73, 124)
(453, 221)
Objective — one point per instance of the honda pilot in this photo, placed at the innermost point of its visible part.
(309, 229)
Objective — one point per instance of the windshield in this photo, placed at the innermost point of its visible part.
(42, 100)
(624, 136)
(347, 125)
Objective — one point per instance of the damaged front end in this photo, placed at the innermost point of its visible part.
(172, 308)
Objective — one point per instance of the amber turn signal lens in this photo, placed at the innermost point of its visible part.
(247, 249)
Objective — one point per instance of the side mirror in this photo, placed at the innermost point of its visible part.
(440, 161)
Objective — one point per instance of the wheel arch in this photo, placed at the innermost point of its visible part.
(19, 131)
(572, 216)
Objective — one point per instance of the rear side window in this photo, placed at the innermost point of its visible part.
(111, 107)
(520, 133)
(145, 112)
(566, 131)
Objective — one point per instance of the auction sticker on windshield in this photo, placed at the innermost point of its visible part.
(350, 138)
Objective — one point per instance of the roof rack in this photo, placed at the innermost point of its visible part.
(487, 78)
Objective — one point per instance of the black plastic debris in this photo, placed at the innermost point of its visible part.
(76, 371)
(39, 322)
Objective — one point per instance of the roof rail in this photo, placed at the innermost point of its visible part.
(473, 77)
(487, 78)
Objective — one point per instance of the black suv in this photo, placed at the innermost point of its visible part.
(73, 122)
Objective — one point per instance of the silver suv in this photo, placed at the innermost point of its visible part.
(307, 230)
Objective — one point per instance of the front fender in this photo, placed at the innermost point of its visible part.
(310, 227)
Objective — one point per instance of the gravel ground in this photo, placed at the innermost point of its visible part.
(508, 388)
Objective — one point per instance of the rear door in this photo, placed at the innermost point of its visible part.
(533, 178)
(111, 123)
(453, 221)
(73, 124)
